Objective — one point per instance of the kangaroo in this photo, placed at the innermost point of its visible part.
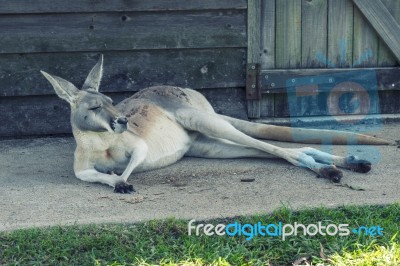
(159, 125)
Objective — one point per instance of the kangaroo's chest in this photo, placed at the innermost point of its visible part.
(108, 156)
(167, 142)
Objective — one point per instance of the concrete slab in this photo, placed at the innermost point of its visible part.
(38, 187)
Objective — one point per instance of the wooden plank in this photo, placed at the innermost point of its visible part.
(385, 56)
(314, 33)
(267, 25)
(346, 122)
(365, 45)
(340, 33)
(49, 6)
(121, 31)
(288, 44)
(382, 78)
(315, 92)
(125, 71)
(332, 104)
(49, 115)
(383, 22)
(267, 104)
(253, 47)
(261, 49)
(288, 34)
(331, 92)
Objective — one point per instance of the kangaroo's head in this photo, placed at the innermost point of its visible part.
(90, 110)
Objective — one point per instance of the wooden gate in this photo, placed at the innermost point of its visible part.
(323, 57)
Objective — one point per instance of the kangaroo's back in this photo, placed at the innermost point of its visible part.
(169, 98)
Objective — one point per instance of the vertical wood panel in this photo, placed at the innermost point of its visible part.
(253, 47)
(313, 54)
(288, 44)
(288, 34)
(267, 53)
(385, 56)
(365, 47)
(383, 22)
(340, 33)
(340, 40)
(115, 31)
(365, 50)
(314, 33)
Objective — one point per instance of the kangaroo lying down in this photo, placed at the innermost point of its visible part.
(159, 125)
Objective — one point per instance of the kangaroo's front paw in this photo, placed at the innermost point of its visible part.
(123, 187)
(331, 173)
(357, 165)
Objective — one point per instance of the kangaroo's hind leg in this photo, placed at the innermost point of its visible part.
(212, 125)
(275, 132)
(216, 148)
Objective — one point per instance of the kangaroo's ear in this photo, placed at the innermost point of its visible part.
(93, 80)
(64, 89)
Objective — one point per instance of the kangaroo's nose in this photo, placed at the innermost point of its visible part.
(122, 120)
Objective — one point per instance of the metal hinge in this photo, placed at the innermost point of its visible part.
(253, 86)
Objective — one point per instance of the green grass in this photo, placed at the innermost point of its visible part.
(167, 242)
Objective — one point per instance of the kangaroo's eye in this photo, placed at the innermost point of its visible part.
(95, 108)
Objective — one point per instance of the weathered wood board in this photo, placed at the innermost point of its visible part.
(385, 56)
(72, 32)
(125, 71)
(73, 6)
(382, 21)
(314, 33)
(386, 102)
(340, 33)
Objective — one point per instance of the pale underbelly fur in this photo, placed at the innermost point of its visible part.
(165, 150)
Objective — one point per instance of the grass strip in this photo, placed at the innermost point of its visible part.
(166, 242)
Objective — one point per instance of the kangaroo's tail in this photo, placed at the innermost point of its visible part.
(302, 135)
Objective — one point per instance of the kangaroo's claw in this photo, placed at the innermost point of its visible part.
(331, 173)
(124, 187)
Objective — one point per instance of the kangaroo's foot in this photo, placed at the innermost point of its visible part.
(331, 172)
(123, 187)
(357, 165)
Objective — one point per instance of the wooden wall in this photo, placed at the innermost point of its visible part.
(320, 34)
(198, 44)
